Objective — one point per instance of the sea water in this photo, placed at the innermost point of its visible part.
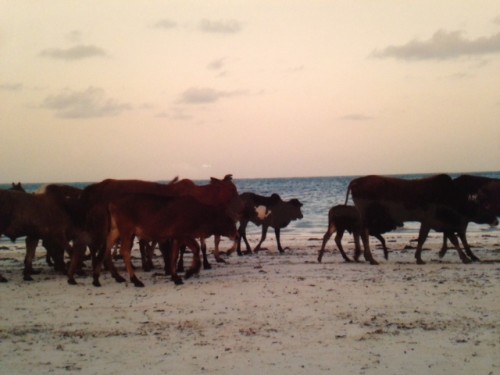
(317, 194)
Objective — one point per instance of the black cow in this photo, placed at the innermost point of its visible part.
(436, 202)
(269, 212)
(343, 218)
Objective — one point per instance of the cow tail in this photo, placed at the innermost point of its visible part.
(347, 194)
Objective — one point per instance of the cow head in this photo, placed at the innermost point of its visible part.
(296, 208)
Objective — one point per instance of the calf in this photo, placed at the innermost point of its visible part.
(157, 218)
(269, 212)
(343, 218)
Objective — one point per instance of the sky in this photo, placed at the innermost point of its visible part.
(156, 89)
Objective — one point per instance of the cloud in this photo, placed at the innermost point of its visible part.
(220, 26)
(356, 117)
(216, 64)
(442, 45)
(89, 103)
(165, 24)
(203, 95)
(78, 52)
(11, 86)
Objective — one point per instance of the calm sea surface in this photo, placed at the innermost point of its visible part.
(317, 194)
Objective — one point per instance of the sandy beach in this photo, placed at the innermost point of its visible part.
(265, 313)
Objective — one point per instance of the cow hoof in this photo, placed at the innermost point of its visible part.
(420, 261)
(207, 266)
(220, 260)
(441, 254)
(348, 260)
(319, 259)
(475, 259)
(138, 283)
(27, 278)
(373, 262)
(119, 279)
(72, 281)
(3, 279)
(178, 281)
(96, 283)
(466, 261)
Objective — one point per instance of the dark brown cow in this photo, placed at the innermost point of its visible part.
(156, 218)
(269, 212)
(343, 218)
(436, 202)
(48, 216)
(482, 188)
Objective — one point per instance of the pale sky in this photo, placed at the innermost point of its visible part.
(154, 89)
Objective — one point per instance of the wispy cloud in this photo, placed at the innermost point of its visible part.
(14, 86)
(79, 52)
(356, 117)
(165, 23)
(220, 26)
(89, 103)
(442, 45)
(204, 95)
(217, 64)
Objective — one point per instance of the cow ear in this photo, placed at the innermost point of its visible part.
(228, 177)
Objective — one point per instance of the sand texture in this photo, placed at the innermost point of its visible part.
(262, 314)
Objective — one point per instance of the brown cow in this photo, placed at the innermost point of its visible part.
(156, 218)
(343, 218)
(436, 202)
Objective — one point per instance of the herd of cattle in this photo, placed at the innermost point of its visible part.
(182, 214)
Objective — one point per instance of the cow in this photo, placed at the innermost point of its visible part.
(269, 212)
(343, 218)
(482, 188)
(96, 198)
(49, 216)
(436, 202)
(158, 218)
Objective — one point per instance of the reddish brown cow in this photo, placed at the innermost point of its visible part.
(96, 198)
(157, 218)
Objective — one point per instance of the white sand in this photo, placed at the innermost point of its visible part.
(262, 314)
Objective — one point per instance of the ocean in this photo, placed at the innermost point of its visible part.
(317, 195)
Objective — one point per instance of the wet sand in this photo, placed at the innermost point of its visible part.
(265, 313)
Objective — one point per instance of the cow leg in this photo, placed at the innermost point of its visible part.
(174, 254)
(277, 233)
(196, 264)
(331, 230)
(147, 249)
(422, 236)
(206, 263)
(365, 237)
(469, 252)
(262, 238)
(180, 263)
(166, 252)
(444, 248)
(456, 244)
(31, 244)
(2, 279)
(338, 241)
(357, 246)
(217, 256)
(76, 261)
(243, 235)
(125, 251)
(382, 241)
